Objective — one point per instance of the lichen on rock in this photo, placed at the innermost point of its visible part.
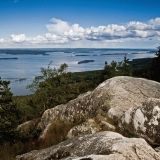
(145, 121)
(105, 145)
(130, 104)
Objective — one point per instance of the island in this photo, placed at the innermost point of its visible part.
(8, 58)
(39, 77)
(21, 79)
(85, 61)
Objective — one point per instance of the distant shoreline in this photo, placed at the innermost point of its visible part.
(8, 58)
(30, 61)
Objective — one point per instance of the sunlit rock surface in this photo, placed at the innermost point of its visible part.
(131, 104)
(103, 145)
(88, 127)
(144, 120)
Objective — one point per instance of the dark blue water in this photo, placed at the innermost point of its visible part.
(28, 66)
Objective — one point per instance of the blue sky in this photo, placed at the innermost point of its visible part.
(79, 23)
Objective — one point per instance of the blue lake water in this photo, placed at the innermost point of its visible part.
(28, 65)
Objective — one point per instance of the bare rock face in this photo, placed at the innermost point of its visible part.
(88, 127)
(26, 127)
(117, 99)
(144, 120)
(157, 150)
(102, 145)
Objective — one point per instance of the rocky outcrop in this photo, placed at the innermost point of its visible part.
(144, 120)
(102, 145)
(122, 100)
(28, 126)
(88, 127)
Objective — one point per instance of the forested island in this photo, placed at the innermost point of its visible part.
(23, 51)
(8, 58)
(85, 61)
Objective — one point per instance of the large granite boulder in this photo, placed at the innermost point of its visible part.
(115, 99)
(143, 121)
(102, 145)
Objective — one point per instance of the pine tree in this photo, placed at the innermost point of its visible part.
(8, 114)
(56, 88)
(155, 68)
(122, 68)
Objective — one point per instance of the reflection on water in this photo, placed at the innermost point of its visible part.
(22, 70)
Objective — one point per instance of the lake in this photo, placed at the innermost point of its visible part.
(20, 66)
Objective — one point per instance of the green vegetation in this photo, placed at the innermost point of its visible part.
(9, 115)
(141, 67)
(155, 67)
(57, 87)
(122, 68)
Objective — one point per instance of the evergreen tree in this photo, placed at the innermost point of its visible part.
(8, 114)
(58, 87)
(155, 68)
(122, 68)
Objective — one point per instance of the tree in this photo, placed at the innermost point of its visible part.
(58, 87)
(155, 67)
(122, 68)
(9, 114)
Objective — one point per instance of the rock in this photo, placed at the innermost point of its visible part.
(28, 126)
(115, 98)
(102, 157)
(105, 145)
(107, 126)
(144, 120)
(88, 127)
(157, 149)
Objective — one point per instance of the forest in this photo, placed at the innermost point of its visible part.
(57, 87)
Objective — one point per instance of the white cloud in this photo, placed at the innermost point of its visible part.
(55, 38)
(58, 26)
(109, 32)
(112, 32)
(48, 38)
(18, 38)
(60, 32)
(138, 26)
(155, 23)
(2, 40)
(73, 32)
(145, 34)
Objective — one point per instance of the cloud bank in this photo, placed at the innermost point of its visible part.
(61, 32)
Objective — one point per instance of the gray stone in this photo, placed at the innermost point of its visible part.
(102, 145)
(113, 99)
(144, 120)
(88, 127)
(28, 126)
(107, 126)
(157, 149)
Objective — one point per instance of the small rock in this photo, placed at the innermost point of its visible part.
(107, 126)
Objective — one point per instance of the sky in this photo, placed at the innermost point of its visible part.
(79, 23)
